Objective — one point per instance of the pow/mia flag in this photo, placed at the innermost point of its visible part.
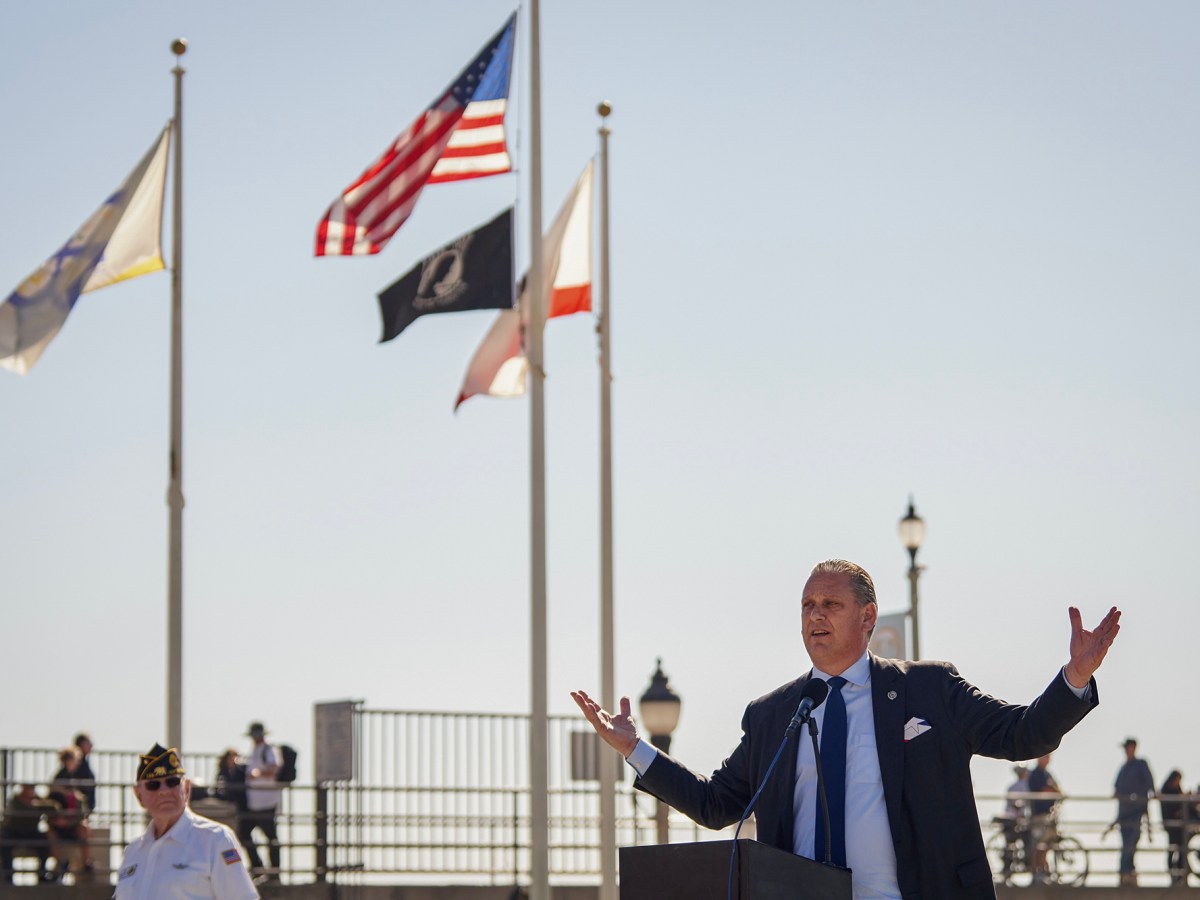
(474, 271)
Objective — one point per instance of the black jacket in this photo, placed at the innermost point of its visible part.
(926, 782)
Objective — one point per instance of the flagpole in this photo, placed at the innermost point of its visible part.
(608, 760)
(539, 782)
(175, 487)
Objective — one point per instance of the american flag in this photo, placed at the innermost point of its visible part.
(461, 135)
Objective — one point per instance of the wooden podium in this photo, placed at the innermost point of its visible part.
(700, 871)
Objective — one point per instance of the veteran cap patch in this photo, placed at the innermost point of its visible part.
(159, 762)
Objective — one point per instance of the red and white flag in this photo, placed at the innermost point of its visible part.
(499, 366)
(477, 146)
(461, 135)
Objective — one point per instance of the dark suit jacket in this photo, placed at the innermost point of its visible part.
(926, 781)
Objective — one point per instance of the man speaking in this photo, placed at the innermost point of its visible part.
(896, 744)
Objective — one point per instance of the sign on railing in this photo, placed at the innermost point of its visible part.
(333, 736)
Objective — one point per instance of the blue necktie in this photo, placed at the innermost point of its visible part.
(833, 764)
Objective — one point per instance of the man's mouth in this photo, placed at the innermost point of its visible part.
(818, 632)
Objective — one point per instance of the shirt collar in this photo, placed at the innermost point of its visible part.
(858, 674)
(180, 832)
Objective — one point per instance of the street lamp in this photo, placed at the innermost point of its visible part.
(912, 532)
(659, 712)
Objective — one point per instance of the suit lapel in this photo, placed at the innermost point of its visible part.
(887, 698)
(785, 786)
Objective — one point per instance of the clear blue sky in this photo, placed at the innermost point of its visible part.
(859, 250)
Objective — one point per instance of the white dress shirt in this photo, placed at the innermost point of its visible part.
(870, 854)
(869, 851)
(197, 859)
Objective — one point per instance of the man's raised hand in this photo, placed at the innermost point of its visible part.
(619, 732)
(1089, 647)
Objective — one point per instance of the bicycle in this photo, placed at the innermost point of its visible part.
(1067, 861)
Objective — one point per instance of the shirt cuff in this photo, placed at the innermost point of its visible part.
(1083, 693)
(641, 757)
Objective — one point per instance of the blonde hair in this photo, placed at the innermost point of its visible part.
(860, 581)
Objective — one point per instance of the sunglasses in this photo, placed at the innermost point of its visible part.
(171, 782)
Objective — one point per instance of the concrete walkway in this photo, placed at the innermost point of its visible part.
(450, 892)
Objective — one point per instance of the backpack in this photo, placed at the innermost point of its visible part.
(287, 768)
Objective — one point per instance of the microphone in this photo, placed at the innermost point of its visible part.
(813, 696)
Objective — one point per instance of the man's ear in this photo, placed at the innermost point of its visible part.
(870, 614)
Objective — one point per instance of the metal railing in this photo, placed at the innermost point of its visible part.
(444, 796)
(117, 817)
(1088, 822)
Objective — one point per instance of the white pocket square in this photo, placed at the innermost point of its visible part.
(915, 727)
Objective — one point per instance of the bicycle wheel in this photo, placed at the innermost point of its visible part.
(1191, 856)
(1068, 862)
(1007, 858)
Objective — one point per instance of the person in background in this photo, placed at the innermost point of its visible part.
(180, 855)
(20, 828)
(1015, 819)
(1133, 789)
(262, 802)
(1190, 824)
(1017, 806)
(1041, 818)
(68, 824)
(1174, 818)
(230, 780)
(85, 778)
(230, 783)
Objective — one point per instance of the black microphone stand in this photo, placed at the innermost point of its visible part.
(749, 806)
(812, 730)
(814, 696)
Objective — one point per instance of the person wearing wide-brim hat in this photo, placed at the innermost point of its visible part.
(263, 794)
(181, 855)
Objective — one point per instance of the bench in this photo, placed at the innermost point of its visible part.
(100, 845)
(99, 842)
(23, 849)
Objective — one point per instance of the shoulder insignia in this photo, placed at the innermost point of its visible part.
(231, 856)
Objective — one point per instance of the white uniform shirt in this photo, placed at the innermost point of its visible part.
(257, 798)
(197, 859)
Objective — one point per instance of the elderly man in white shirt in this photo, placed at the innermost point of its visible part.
(182, 856)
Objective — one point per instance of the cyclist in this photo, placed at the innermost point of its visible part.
(1014, 820)
(1041, 819)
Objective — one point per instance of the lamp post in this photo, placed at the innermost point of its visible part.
(912, 532)
(659, 711)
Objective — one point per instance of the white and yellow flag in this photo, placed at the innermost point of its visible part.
(121, 240)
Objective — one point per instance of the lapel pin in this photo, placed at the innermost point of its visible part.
(891, 695)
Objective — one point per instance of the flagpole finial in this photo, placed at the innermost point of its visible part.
(179, 46)
(605, 109)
